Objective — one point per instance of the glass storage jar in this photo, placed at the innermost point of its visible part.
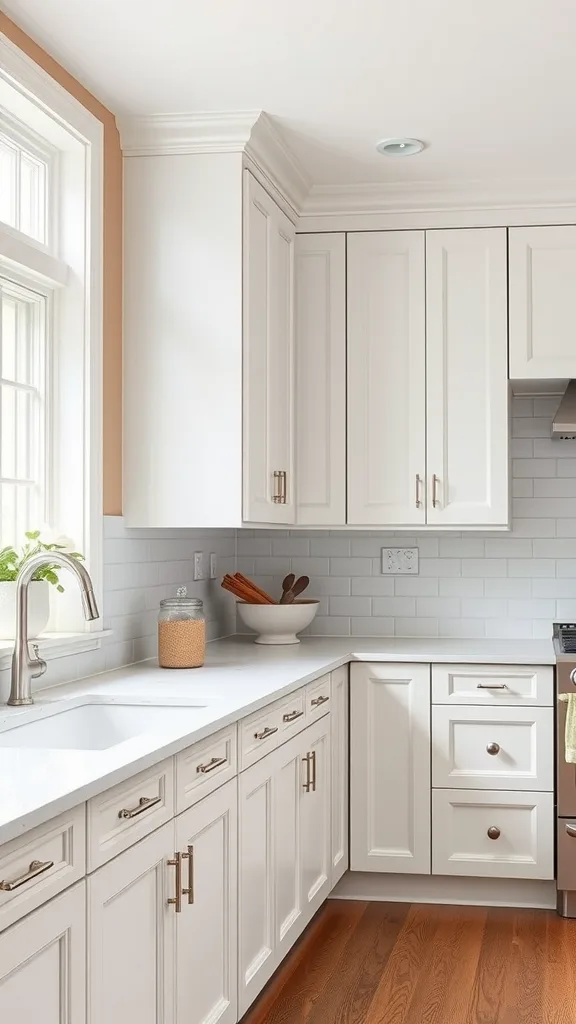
(181, 632)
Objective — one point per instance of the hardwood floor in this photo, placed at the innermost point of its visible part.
(394, 963)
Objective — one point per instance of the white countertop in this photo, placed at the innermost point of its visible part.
(239, 677)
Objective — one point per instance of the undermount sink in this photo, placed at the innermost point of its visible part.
(100, 726)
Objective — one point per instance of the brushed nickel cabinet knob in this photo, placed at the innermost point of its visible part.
(493, 748)
(493, 832)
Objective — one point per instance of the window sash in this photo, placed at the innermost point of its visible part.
(27, 181)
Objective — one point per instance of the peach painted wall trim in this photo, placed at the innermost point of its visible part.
(112, 273)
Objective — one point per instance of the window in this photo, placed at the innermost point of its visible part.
(51, 155)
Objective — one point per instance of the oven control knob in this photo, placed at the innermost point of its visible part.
(573, 676)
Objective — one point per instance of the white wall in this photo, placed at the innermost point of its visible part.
(140, 568)
(470, 584)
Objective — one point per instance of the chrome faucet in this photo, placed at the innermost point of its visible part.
(24, 667)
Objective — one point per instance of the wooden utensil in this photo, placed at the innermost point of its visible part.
(287, 584)
(298, 588)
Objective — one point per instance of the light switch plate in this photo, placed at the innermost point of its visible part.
(400, 561)
(213, 566)
(198, 565)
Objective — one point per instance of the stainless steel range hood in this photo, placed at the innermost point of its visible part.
(564, 422)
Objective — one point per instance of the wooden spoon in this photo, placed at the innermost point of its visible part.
(287, 584)
(298, 588)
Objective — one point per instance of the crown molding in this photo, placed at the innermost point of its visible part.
(272, 154)
(436, 197)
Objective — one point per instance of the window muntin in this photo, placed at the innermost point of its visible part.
(24, 180)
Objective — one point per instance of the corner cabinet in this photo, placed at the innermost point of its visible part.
(542, 264)
(427, 378)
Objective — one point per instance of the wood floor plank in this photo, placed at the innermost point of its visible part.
(524, 973)
(400, 977)
(559, 994)
(488, 993)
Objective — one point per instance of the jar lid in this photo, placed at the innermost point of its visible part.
(181, 600)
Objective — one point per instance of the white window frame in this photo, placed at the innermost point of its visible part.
(72, 256)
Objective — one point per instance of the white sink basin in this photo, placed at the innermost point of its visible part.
(100, 726)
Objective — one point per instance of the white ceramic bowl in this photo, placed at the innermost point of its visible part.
(278, 623)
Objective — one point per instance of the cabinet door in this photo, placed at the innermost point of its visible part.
(268, 347)
(131, 934)
(315, 817)
(339, 781)
(386, 378)
(206, 930)
(321, 379)
(466, 377)
(390, 768)
(43, 963)
(542, 269)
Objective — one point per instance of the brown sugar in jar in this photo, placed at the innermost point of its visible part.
(181, 632)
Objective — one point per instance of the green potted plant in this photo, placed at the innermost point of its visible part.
(11, 561)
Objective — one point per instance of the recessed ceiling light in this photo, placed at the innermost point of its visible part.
(400, 147)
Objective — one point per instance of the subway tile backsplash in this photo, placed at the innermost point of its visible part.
(480, 584)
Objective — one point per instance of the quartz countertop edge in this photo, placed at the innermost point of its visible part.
(238, 678)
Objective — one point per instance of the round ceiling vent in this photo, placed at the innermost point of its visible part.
(400, 147)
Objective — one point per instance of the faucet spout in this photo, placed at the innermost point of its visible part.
(24, 667)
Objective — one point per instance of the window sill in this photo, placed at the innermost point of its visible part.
(57, 645)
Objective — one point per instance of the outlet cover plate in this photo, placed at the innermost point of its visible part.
(198, 565)
(400, 561)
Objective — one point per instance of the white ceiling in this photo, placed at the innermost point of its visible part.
(490, 86)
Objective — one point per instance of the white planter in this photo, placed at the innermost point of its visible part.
(38, 609)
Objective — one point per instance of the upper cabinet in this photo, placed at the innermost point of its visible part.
(466, 377)
(208, 345)
(427, 378)
(386, 378)
(542, 302)
(269, 486)
(321, 379)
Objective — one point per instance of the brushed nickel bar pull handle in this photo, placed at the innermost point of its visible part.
(37, 867)
(176, 900)
(284, 486)
(435, 482)
(277, 495)
(491, 686)
(306, 760)
(265, 732)
(317, 701)
(214, 762)
(571, 830)
(189, 892)
(144, 804)
(292, 716)
(418, 484)
(313, 756)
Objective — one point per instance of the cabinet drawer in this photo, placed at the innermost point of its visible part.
(493, 748)
(126, 813)
(493, 684)
(318, 698)
(36, 866)
(267, 729)
(205, 766)
(495, 835)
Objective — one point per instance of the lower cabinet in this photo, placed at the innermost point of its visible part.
(284, 856)
(162, 923)
(390, 768)
(43, 963)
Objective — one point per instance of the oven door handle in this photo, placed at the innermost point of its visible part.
(571, 830)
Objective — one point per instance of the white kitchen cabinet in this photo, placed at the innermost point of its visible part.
(321, 379)
(43, 963)
(339, 787)
(269, 486)
(284, 855)
(542, 275)
(132, 934)
(466, 377)
(386, 378)
(206, 929)
(390, 768)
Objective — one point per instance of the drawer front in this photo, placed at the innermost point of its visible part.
(267, 729)
(493, 748)
(126, 813)
(36, 866)
(205, 766)
(318, 698)
(493, 684)
(495, 835)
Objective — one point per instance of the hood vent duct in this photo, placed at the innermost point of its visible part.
(564, 422)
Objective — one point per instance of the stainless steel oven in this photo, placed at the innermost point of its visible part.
(565, 645)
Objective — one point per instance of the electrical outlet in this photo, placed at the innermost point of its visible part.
(213, 566)
(198, 565)
(400, 561)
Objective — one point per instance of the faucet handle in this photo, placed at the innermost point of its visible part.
(39, 664)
